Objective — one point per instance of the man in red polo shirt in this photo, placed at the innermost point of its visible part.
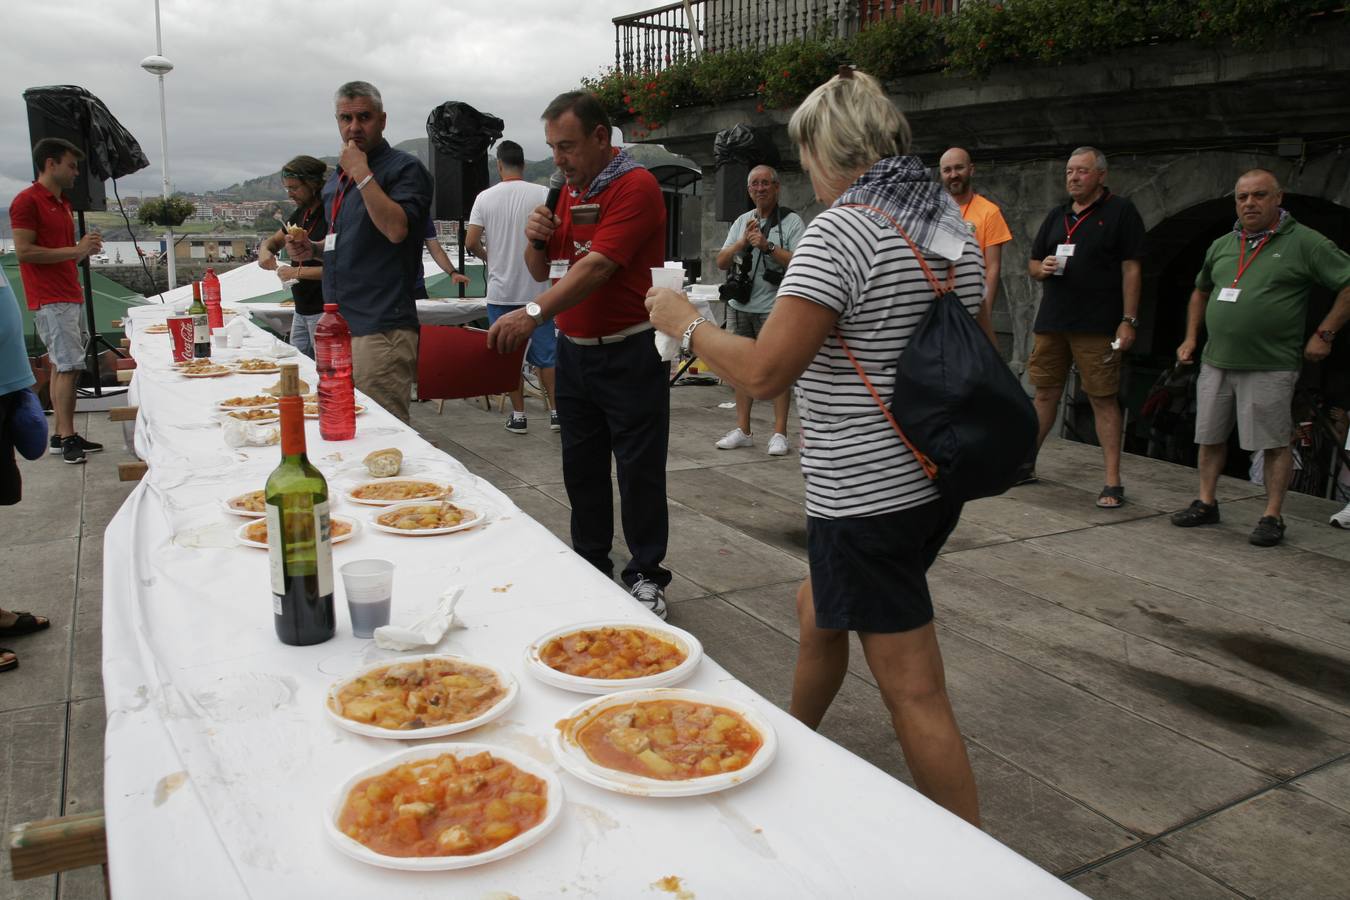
(613, 396)
(44, 240)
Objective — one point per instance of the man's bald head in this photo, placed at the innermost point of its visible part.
(956, 171)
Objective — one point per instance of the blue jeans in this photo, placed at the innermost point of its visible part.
(302, 333)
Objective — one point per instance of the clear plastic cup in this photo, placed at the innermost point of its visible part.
(668, 278)
(370, 591)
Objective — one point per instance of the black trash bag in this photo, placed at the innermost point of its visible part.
(112, 151)
(736, 144)
(462, 132)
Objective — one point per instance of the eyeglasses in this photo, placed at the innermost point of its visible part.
(755, 184)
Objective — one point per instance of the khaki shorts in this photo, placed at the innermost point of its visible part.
(745, 324)
(61, 328)
(1259, 403)
(1098, 364)
(384, 367)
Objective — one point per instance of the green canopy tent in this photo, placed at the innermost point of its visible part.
(438, 286)
(111, 302)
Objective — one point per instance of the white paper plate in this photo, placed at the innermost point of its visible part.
(270, 370)
(358, 407)
(398, 734)
(225, 505)
(573, 758)
(680, 638)
(361, 852)
(449, 491)
(477, 518)
(271, 404)
(239, 532)
(225, 370)
(273, 416)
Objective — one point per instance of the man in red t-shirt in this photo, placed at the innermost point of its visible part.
(612, 392)
(44, 241)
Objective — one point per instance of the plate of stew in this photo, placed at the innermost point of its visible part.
(608, 656)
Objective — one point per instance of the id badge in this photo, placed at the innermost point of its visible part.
(1229, 294)
(557, 268)
(330, 242)
(1064, 250)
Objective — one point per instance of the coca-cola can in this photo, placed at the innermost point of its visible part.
(180, 331)
(1305, 434)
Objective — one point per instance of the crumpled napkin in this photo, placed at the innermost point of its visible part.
(669, 347)
(238, 433)
(426, 633)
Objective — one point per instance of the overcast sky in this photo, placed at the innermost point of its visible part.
(253, 81)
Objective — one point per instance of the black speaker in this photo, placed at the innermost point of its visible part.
(733, 196)
(89, 193)
(457, 184)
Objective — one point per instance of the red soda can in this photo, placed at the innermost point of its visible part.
(180, 331)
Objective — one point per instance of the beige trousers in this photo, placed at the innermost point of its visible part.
(384, 367)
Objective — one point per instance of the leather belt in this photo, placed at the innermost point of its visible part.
(609, 338)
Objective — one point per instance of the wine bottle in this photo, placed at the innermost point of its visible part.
(201, 329)
(299, 534)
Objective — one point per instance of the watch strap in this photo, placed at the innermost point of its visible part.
(688, 335)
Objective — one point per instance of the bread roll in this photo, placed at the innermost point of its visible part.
(384, 463)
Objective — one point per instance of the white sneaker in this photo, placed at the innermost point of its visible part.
(650, 595)
(735, 439)
(778, 445)
(1342, 518)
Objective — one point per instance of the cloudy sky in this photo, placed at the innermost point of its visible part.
(253, 81)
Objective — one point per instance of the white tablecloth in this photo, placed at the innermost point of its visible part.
(429, 312)
(220, 757)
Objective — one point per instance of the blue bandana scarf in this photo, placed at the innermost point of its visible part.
(901, 187)
(619, 166)
(1257, 237)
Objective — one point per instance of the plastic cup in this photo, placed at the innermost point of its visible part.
(370, 592)
(180, 330)
(220, 339)
(668, 278)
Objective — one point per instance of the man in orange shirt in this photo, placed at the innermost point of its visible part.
(986, 225)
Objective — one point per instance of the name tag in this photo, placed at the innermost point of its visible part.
(558, 268)
(1064, 250)
(330, 242)
(1229, 294)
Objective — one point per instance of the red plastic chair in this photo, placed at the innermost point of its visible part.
(454, 363)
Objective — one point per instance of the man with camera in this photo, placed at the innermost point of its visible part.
(755, 256)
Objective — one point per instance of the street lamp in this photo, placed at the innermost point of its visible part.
(159, 66)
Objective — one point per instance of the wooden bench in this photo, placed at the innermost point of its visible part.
(49, 846)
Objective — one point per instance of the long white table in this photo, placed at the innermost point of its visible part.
(219, 756)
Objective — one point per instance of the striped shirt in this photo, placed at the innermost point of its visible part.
(854, 262)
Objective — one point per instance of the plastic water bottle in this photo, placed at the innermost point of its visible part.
(333, 357)
(211, 292)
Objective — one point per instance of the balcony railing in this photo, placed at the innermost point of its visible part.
(656, 38)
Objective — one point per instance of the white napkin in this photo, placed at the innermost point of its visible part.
(238, 433)
(669, 347)
(426, 633)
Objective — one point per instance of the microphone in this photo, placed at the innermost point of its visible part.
(555, 186)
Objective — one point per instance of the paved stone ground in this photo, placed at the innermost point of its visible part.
(1151, 713)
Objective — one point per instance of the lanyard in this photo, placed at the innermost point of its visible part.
(1082, 217)
(307, 219)
(343, 181)
(1243, 262)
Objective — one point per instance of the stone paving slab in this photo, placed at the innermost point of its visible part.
(1150, 874)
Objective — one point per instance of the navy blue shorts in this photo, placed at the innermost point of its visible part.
(871, 573)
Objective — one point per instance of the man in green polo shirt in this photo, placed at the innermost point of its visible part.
(1262, 272)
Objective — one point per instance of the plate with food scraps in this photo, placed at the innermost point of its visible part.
(419, 518)
(664, 742)
(250, 504)
(206, 371)
(388, 491)
(254, 534)
(312, 409)
(260, 416)
(157, 328)
(608, 656)
(255, 366)
(510, 801)
(416, 697)
(257, 401)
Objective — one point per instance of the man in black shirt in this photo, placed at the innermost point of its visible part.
(303, 179)
(376, 204)
(1087, 257)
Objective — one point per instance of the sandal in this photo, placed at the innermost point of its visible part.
(8, 660)
(25, 623)
(1111, 492)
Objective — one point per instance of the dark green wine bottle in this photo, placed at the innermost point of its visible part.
(299, 534)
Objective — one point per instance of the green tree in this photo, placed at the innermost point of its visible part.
(171, 212)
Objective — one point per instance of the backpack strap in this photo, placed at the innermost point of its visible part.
(930, 468)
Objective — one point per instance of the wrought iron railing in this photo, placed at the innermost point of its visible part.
(656, 38)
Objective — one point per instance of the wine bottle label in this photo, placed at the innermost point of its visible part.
(323, 548)
(276, 557)
(201, 332)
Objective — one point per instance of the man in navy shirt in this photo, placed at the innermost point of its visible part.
(377, 203)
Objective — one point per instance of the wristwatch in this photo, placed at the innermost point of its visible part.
(770, 246)
(1327, 335)
(534, 311)
(689, 334)
(1133, 320)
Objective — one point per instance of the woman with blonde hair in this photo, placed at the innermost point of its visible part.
(856, 289)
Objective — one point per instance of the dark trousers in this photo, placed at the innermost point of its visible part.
(614, 399)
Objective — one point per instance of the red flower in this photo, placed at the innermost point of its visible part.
(1050, 42)
(982, 44)
(632, 109)
(786, 73)
(627, 99)
(759, 107)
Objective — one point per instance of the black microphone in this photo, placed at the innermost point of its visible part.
(555, 186)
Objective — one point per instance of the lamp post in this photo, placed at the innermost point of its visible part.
(159, 66)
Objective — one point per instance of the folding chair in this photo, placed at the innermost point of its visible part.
(455, 363)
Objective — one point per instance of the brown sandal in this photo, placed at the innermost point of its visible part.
(12, 662)
(24, 623)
